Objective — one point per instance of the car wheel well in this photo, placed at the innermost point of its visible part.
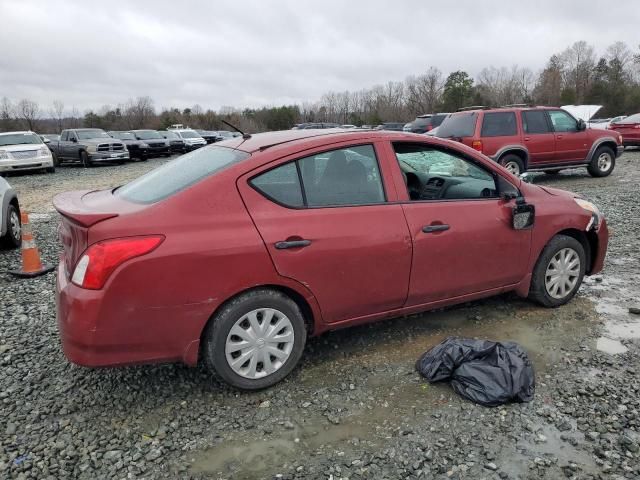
(299, 300)
(608, 144)
(517, 152)
(588, 240)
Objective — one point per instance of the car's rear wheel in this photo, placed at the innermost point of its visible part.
(255, 340)
(84, 158)
(13, 235)
(559, 271)
(513, 163)
(602, 163)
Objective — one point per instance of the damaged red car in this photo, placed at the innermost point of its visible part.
(236, 253)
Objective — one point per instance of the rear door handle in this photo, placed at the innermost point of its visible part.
(292, 244)
(435, 228)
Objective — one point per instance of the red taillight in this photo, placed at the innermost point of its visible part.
(477, 145)
(102, 258)
(636, 126)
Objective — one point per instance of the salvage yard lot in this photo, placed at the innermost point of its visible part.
(355, 408)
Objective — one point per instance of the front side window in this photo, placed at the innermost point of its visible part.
(562, 121)
(435, 174)
(499, 124)
(535, 121)
(179, 174)
(348, 176)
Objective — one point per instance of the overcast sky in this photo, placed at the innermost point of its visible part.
(253, 53)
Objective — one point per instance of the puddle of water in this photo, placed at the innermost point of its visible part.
(247, 459)
(610, 346)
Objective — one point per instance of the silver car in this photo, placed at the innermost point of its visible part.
(24, 151)
(10, 226)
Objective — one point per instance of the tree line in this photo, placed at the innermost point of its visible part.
(577, 75)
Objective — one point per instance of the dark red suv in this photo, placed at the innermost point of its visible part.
(535, 138)
(237, 252)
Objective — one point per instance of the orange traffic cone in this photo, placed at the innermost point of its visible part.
(31, 264)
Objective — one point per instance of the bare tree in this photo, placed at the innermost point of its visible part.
(139, 112)
(6, 114)
(28, 110)
(57, 112)
(579, 60)
(423, 93)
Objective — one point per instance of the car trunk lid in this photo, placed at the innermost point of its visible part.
(80, 210)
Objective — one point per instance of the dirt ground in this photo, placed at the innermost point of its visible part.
(355, 407)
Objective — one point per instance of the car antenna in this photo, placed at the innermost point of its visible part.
(245, 136)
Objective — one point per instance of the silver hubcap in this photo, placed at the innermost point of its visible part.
(604, 162)
(562, 273)
(259, 343)
(513, 167)
(14, 221)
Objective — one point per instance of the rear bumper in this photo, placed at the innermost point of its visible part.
(99, 330)
(26, 164)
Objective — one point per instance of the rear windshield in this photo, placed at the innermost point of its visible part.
(458, 125)
(179, 174)
(437, 119)
(632, 119)
(422, 122)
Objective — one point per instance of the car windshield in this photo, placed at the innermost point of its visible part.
(124, 135)
(91, 133)
(148, 134)
(188, 134)
(179, 174)
(20, 139)
(169, 135)
(458, 125)
(225, 134)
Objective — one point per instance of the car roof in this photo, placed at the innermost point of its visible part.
(263, 141)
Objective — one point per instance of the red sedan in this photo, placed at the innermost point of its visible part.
(236, 253)
(629, 128)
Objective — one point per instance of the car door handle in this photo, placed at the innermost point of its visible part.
(558, 137)
(526, 139)
(292, 244)
(435, 228)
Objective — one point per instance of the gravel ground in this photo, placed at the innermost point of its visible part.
(355, 408)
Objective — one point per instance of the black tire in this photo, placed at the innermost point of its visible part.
(86, 161)
(217, 331)
(538, 290)
(11, 240)
(512, 162)
(599, 167)
(552, 172)
(56, 162)
(50, 169)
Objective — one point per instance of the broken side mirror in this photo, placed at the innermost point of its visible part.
(523, 215)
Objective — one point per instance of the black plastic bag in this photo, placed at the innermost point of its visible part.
(488, 373)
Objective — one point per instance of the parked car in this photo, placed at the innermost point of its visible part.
(137, 148)
(424, 123)
(236, 253)
(158, 146)
(88, 146)
(24, 150)
(394, 126)
(224, 135)
(10, 226)
(629, 129)
(176, 144)
(603, 123)
(210, 137)
(534, 138)
(191, 138)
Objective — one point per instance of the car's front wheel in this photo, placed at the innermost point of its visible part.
(255, 340)
(559, 271)
(84, 158)
(602, 163)
(13, 235)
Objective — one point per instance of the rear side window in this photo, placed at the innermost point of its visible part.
(348, 176)
(282, 185)
(535, 122)
(499, 124)
(458, 125)
(179, 174)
